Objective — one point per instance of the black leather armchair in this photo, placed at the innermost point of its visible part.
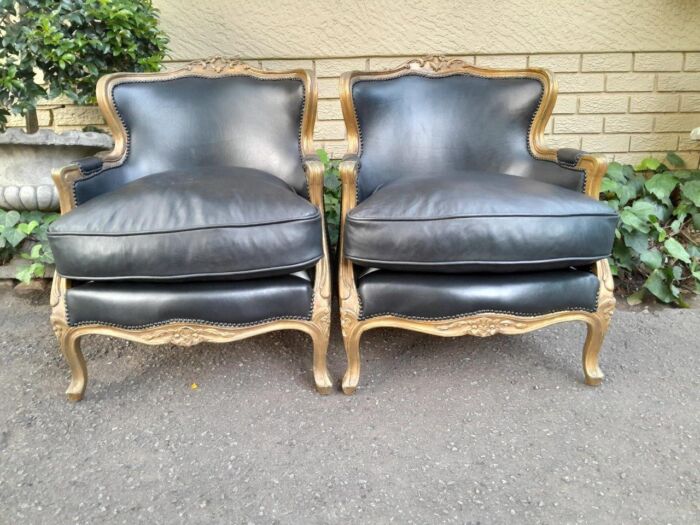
(457, 220)
(205, 223)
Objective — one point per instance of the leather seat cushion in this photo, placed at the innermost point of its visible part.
(201, 223)
(435, 295)
(477, 222)
(132, 305)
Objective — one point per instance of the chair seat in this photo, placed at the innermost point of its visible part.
(477, 222)
(202, 223)
(135, 305)
(440, 296)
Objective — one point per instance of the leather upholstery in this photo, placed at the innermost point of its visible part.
(194, 122)
(477, 221)
(428, 126)
(208, 222)
(131, 305)
(569, 156)
(435, 296)
(89, 165)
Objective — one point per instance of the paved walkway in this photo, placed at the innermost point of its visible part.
(498, 430)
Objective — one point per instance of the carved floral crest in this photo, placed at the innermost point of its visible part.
(218, 64)
(435, 63)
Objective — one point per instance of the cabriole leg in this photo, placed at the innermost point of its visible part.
(591, 349)
(70, 346)
(352, 373)
(321, 376)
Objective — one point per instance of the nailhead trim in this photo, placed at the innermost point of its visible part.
(477, 312)
(197, 321)
(200, 321)
(418, 318)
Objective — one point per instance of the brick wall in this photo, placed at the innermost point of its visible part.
(625, 105)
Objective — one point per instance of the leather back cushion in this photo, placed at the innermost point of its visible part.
(196, 121)
(416, 125)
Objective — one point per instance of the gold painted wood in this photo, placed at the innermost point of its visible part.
(188, 334)
(482, 325)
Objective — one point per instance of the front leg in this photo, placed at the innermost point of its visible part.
(70, 346)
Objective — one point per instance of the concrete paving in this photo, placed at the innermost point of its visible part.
(467, 430)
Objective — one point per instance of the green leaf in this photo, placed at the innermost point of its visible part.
(13, 236)
(695, 271)
(676, 250)
(676, 225)
(657, 285)
(27, 228)
(615, 172)
(608, 185)
(331, 182)
(637, 297)
(661, 185)
(24, 274)
(632, 222)
(39, 270)
(35, 252)
(647, 164)
(622, 255)
(676, 272)
(51, 217)
(10, 218)
(625, 192)
(653, 259)
(647, 207)
(691, 191)
(323, 155)
(613, 203)
(637, 241)
(674, 160)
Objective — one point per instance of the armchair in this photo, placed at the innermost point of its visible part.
(457, 220)
(205, 222)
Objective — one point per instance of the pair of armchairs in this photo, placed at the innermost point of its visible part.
(206, 222)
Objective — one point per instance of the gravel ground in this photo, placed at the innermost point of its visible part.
(467, 430)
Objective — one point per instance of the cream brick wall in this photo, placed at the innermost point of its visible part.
(624, 105)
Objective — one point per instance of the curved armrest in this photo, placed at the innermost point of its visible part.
(593, 167)
(314, 169)
(569, 156)
(348, 180)
(66, 177)
(89, 165)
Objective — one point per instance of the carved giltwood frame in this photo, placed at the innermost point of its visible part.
(181, 333)
(481, 325)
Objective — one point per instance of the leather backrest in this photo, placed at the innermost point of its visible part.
(414, 125)
(196, 121)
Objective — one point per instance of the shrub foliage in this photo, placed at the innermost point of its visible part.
(72, 43)
(656, 248)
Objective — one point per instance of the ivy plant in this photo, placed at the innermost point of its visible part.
(25, 235)
(331, 195)
(72, 43)
(657, 241)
